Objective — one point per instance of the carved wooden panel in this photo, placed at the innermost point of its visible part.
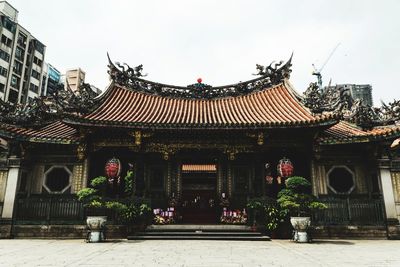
(396, 185)
(77, 178)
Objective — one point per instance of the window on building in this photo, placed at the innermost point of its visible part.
(6, 41)
(37, 61)
(341, 180)
(39, 47)
(35, 74)
(18, 67)
(4, 55)
(3, 71)
(2, 87)
(8, 24)
(21, 40)
(15, 81)
(19, 53)
(13, 96)
(34, 88)
(57, 179)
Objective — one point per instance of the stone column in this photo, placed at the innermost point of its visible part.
(14, 173)
(388, 194)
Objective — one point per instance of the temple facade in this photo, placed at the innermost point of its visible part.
(198, 146)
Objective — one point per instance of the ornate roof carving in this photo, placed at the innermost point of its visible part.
(34, 113)
(340, 102)
(44, 110)
(270, 75)
(82, 101)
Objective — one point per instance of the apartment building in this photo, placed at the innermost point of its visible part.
(51, 81)
(21, 59)
(74, 78)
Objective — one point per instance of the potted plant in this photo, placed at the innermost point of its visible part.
(274, 217)
(256, 208)
(92, 199)
(132, 212)
(262, 213)
(296, 199)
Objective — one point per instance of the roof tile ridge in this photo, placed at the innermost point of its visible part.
(296, 97)
(285, 107)
(259, 110)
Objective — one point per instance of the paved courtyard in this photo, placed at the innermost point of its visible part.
(199, 253)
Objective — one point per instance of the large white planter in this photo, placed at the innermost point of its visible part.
(300, 225)
(96, 225)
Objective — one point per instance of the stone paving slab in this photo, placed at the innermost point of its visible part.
(194, 253)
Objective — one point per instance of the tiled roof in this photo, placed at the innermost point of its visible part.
(273, 107)
(56, 132)
(345, 132)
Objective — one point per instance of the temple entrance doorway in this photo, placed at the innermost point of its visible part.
(199, 182)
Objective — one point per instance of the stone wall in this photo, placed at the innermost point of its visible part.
(65, 231)
(349, 231)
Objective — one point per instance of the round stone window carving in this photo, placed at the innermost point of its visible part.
(341, 179)
(57, 179)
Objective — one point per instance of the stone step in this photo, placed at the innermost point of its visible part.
(200, 227)
(200, 237)
(198, 233)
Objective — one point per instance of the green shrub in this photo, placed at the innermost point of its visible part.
(129, 186)
(255, 203)
(115, 205)
(95, 204)
(298, 184)
(99, 182)
(86, 195)
(274, 216)
(296, 200)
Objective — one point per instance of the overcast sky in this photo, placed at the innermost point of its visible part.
(221, 41)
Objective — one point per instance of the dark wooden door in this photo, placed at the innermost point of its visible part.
(198, 198)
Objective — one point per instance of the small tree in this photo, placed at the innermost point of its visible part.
(297, 199)
(130, 210)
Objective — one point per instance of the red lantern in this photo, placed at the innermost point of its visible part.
(112, 169)
(285, 168)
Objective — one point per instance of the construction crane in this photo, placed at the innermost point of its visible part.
(317, 72)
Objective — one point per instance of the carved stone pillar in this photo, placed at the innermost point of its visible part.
(388, 192)
(14, 173)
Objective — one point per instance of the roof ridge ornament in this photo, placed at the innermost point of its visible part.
(45, 109)
(339, 101)
(133, 79)
(276, 71)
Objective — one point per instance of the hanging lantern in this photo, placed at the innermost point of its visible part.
(112, 169)
(285, 168)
